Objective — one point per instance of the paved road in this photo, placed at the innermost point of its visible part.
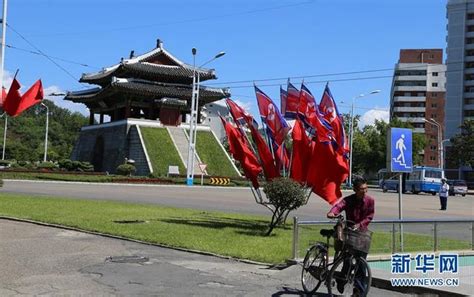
(423, 206)
(38, 260)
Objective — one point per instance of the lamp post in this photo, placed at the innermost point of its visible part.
(4, 134)
(46, 133)
(193, 118)
(351, 128)
(440, 142)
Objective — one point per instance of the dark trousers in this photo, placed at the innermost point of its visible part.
(360, 273)
(444, 202)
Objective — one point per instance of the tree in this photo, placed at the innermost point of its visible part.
(25, 134)
(285, 195)
(462, 146)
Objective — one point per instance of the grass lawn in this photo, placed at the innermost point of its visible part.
(236, 235)
(212, 154)
(161, 150)
(57, 176)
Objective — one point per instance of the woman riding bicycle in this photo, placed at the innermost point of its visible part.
(359, 208)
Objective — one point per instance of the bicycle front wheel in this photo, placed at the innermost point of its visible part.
(350, 276)
(314, 268)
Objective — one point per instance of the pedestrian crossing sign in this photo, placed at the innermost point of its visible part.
(399, 150)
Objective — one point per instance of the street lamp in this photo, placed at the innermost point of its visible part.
(193, 119)
(351, 129)
(46, 134)
(440, 141)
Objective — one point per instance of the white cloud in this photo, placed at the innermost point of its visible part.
(370, 116)
(59, 100)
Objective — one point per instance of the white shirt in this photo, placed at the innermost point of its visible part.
(443, 190)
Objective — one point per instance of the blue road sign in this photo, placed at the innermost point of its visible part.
(399, 147)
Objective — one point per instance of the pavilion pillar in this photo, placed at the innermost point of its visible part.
(101, 117)
(127, 109)
(91, 117)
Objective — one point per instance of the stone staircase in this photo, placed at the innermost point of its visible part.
(136, 152)
(180, 139)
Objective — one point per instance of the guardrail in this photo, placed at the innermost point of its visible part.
(457, 237)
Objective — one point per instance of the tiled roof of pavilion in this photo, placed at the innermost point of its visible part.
(139, 89)
(157, 65)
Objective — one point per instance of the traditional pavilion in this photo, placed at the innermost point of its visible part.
(155, 85)
(153, 89)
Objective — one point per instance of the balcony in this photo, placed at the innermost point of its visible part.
(418, 130)
(408, 109)
(410, 98)
(412, 120)
(409, 88)
(468, 70)
(469, 58)
(411, 77)
(468, 94)
(469, 82)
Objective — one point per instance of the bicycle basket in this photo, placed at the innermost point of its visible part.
(357, 240)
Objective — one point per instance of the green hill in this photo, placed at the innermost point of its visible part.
(25, 133)
(161, 150)
(212, 154)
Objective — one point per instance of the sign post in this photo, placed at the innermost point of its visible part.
(203, 167)
(400, 159)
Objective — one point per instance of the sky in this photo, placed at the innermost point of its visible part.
(352, 45)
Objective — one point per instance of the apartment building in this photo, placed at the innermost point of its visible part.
(418, 97)
(460, 65)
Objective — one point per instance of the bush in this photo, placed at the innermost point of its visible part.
(46, 165)
(285, 195)
(126, 169)
(70, 165)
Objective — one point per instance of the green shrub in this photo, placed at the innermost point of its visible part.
(126, 169)
(285, 195)
(5, 163)
(46, 165)
(66, 164)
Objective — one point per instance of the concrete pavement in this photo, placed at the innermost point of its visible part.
(40, 260)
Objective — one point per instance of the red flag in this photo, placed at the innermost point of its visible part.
(301, 153)
(33, 96)
(243, 154)
(314, 123)
(239, 114)
(282, 157)
(4, 96)
(277, 126)
(292, 101)
(13, 98)
(328, 108)
(327, 171)
(283, 98)
(269, 168)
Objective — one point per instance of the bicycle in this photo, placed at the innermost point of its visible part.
(348, 273)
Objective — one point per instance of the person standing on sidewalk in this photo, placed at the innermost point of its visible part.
(443, 194)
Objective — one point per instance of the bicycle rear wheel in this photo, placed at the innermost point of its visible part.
(314, 270)
(350, 276)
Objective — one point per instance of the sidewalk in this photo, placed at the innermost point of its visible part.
(41, 260)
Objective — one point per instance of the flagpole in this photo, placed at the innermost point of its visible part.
(5, 135)
(2, 60)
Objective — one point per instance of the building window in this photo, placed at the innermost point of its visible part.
(434, 84)
(434, 94)
(434, 116)
(434, 105)
(470, 28)
(432, 158)
(470, 16)
(434, 74)
(433, 147)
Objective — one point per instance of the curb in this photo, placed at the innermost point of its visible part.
(387, 285)
(136, 241)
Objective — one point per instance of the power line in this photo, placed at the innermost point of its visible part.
(211, 17)
(46, 56)
(52, 57)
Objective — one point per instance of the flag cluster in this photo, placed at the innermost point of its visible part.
(13, 103)
(318, 158)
